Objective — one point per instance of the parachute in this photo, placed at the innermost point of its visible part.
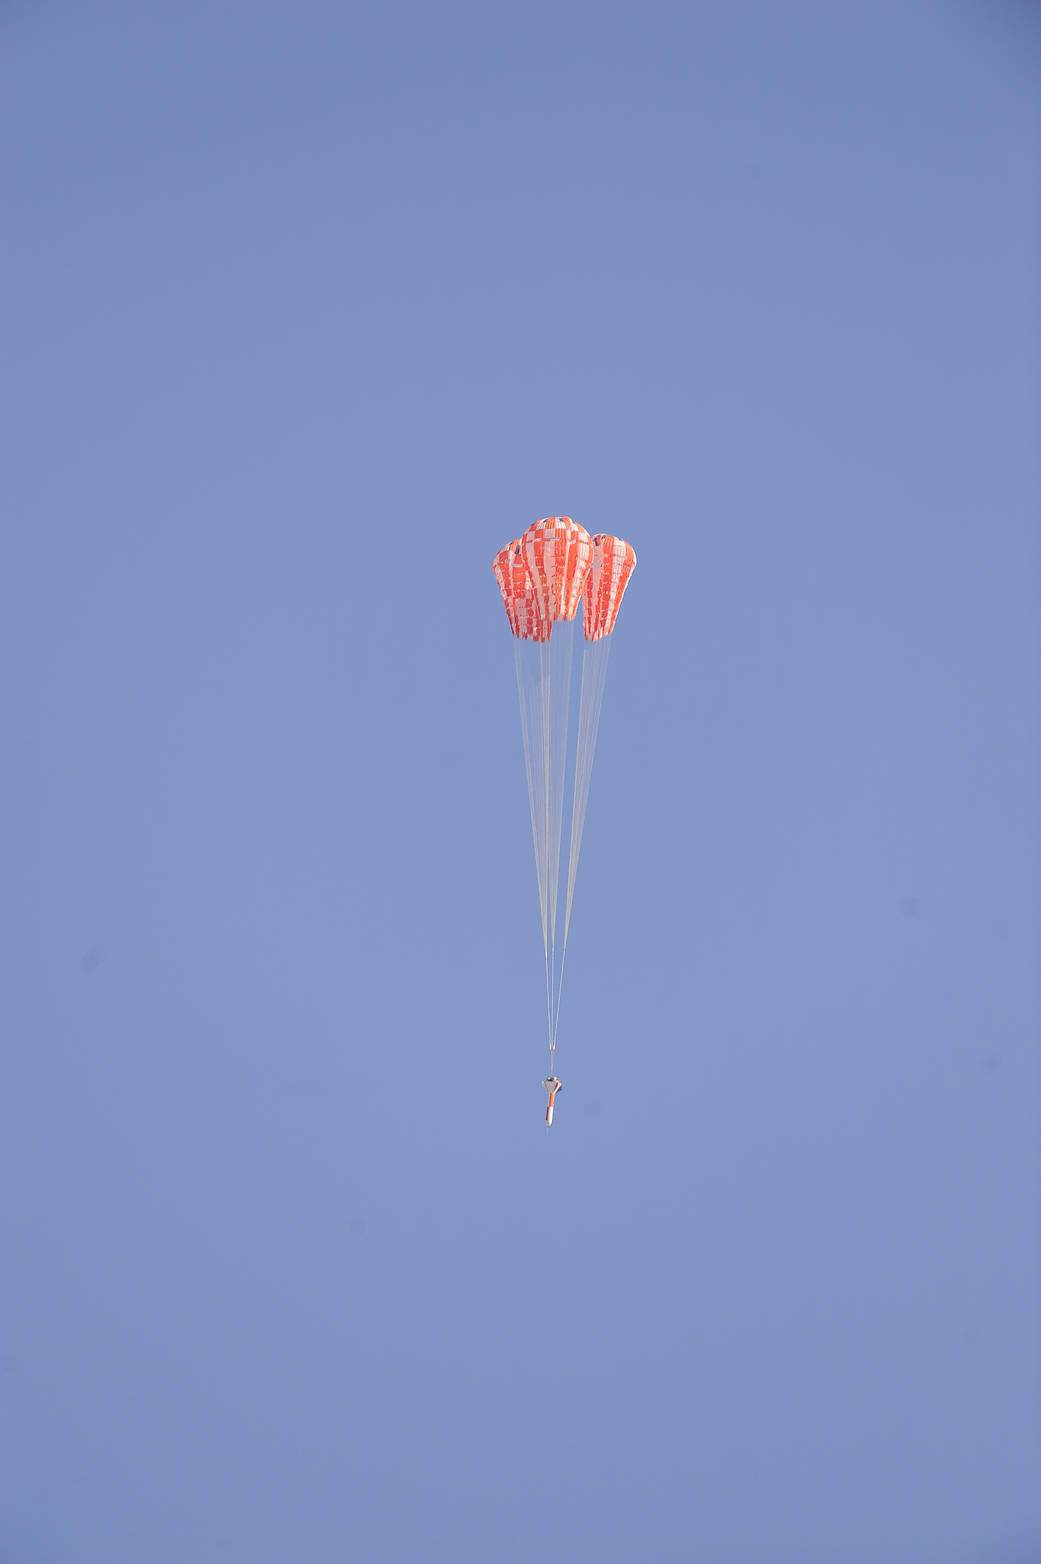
(543, 576)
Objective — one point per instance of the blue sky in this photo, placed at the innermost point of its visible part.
(308, 310)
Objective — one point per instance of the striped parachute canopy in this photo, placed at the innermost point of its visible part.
(522, 606)
(558, 553)
(543, 576)
(606, 580)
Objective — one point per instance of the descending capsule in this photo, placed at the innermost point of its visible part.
(612, 564)
(542, 576)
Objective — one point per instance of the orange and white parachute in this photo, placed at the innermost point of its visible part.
(543, 576)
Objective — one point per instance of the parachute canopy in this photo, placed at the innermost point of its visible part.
(555, 565)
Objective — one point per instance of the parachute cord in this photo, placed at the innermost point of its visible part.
(549, 1007)
(560, 992)
(546, 691)
(551, 993)
(594, 674)
(594, 677)
(528, 688)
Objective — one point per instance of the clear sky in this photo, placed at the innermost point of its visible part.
(308, 310)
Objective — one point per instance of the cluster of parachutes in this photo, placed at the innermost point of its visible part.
(543, 576)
